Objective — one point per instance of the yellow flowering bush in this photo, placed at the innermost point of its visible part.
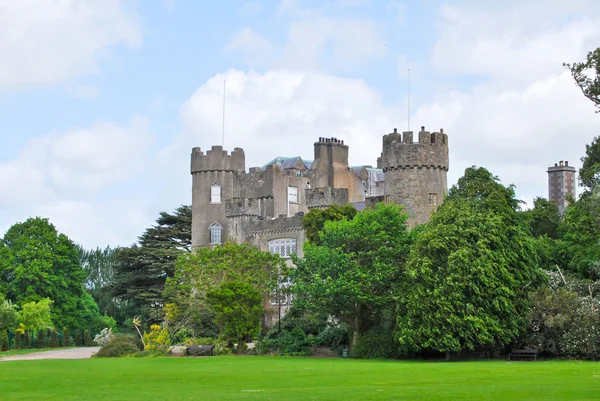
(157, 339)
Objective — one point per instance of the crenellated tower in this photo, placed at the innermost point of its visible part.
(214, 176)
(415, 172)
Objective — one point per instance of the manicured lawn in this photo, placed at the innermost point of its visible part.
(278, 378)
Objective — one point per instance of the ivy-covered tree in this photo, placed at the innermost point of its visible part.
(469, 271)
(314, 221)
(352, 273)
(37, 262)
(238, 308)
(142, 269)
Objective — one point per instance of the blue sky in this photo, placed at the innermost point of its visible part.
(101, 102)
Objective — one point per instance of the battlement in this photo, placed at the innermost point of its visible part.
(399, 151)
(323, 197)
(241, 207)
(217, 159)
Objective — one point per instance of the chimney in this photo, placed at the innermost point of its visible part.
(441, 130)
(395, 130)
(567, 163)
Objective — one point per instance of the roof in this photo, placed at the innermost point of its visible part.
(287, 162)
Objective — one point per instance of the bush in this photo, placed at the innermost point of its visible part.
(118, 346)
(18, 341)
(334, 335)
(53, 339)
(220, 345)
(65, 338)
(157, 339)
(77, 341)
(103, 337)
(376, 343)
(41, 339)
(26, 339)
(289, 343)
(87, 339)
(4, 340)
(100, 322)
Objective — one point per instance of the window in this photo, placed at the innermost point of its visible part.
(215, 193)
(281, 296)
(293, 194)
(433, 199)
(215, 233)
(298, 173)
(283, 247)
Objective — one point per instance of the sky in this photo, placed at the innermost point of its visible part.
(101, 102)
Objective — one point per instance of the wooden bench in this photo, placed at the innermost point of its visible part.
(523, 353)
(199, 350)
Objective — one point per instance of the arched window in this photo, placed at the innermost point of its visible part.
(283, 247)
(215, 193)
(215, 233)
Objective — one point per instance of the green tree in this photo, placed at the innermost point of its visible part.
(3, 340)
(469, 271)
(587, 76)
(37, 262)
(589, 173)
(37, 315)
(208, 268)
(9, 315)
(543, 219)
(314, 221)
(352, 273)
(238, 308)
(142, 269)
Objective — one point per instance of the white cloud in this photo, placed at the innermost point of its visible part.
(252, 45)
(46, 41)
(68, 177)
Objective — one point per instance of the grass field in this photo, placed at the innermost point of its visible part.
(279, 378)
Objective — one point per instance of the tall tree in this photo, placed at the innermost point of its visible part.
(314, 222)
(543, 219)
(142, 269)
(469, 271)
(589, 173)
(37, 262)
(353, 272)
(587, 76)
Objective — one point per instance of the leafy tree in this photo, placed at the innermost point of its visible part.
(314, 222)
(9, 315)
(4, 340)
(37, 315)
(469, 271)
(142, 269)
(238, 308)
(543, 219)
(589, 173)
(587, 76)
(37, 262)
(352, 273)
(208, 268)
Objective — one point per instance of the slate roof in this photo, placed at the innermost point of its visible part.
(287, 162)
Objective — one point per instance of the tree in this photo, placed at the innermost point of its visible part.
(352, 273)
(9, 315)
(36, 316)
(238, 308)
(314, 222)
(209, 268)
(589, 173)
(142, 269)
(543, 219)
(37, 262)
(587, 76)
(469, 271)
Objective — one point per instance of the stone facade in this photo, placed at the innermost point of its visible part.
(265, 206)
(561, 184)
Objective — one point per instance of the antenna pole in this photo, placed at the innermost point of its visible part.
(223, 134)
(408, 99)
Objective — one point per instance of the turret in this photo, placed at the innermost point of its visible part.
(330, 159)
(416, 172)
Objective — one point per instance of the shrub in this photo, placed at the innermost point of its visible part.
(376, 343)
(18, 341)
(289, 343)
(41, 339)
(119, 345)
(103, 337)
(87, 339)
(53, 339)
(26, 339)
(220, 344)
(65, 337)
(334, 335)
(100, 322)
(77, 341)
(157, 339)
(4, 340)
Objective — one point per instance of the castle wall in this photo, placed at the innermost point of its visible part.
(416, 173)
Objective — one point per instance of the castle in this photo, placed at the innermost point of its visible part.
(265, 205)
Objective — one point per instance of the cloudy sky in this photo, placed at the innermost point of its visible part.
(102, 101)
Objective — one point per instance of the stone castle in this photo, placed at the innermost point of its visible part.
(265, 206)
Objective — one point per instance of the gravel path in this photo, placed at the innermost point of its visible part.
(71, 353)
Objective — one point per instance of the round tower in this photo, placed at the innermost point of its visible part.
(416, 172)
(214, 176)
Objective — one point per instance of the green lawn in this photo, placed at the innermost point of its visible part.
(278, 378)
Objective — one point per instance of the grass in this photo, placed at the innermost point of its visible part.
(277, 378)
(28, 351)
